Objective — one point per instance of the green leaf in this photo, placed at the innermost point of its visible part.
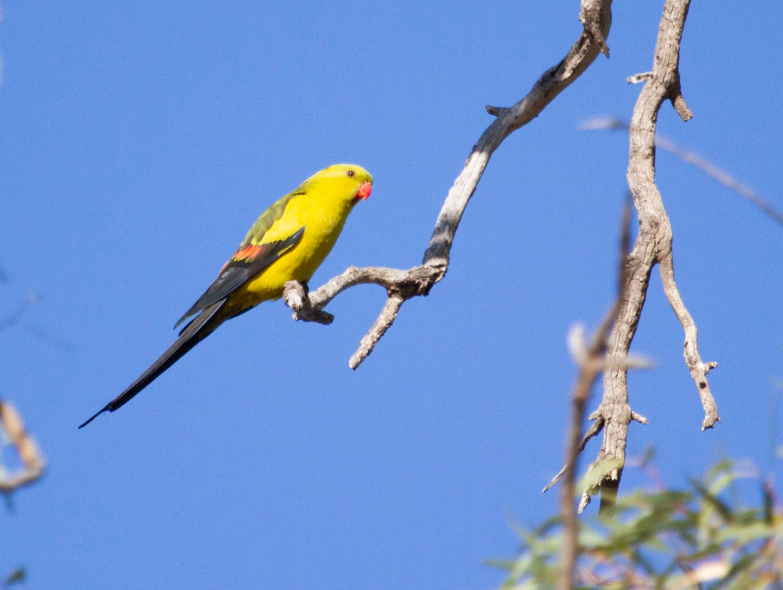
(599, 470)
(745, 534)
(664, 540)
(710, 497)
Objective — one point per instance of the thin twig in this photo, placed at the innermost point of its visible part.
(697, 160)
(697, 368)
(14, 319)
(15, 316)
(594, 430)
(401, 285)
(383, 323)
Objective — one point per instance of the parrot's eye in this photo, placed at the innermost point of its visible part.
(351, 173)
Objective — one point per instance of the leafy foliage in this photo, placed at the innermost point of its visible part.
(699, 537)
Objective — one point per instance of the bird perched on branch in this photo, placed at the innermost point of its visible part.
(287, 243)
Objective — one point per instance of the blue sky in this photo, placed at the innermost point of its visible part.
(139, 142)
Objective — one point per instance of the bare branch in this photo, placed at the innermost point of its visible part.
(655, 234)
(653, 246)
(598, 15)
(637, 78)
(15, 316)
(409, 283)
(588, 373)
(383, 323)
(591, 362)
(676, 98)
(580, 354)
(593, 18)
(697, 368)
(295, 297)
(401, 285)
(26, 447)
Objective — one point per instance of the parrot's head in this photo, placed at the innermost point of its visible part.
(348, 181)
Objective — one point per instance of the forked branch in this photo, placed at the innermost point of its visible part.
(401, 285)
(653, 246)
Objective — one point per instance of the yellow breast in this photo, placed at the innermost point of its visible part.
(323, 218)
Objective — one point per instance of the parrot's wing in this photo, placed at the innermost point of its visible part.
(247, 262)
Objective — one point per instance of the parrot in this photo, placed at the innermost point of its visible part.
(287, 243)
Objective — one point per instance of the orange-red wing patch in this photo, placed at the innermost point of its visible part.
(246, 262)
(246, 254)
(249, 252)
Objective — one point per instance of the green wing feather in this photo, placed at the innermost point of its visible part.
(269, 217)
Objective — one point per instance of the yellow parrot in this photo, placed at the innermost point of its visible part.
(288, 242)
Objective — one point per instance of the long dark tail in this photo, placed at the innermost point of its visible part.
(201, 327)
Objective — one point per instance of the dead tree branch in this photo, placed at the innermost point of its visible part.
(11, 424)
(401, 285)
(33, 463)
(653, 246)
(590, 360)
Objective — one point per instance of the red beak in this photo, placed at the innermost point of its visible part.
(364, 190)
